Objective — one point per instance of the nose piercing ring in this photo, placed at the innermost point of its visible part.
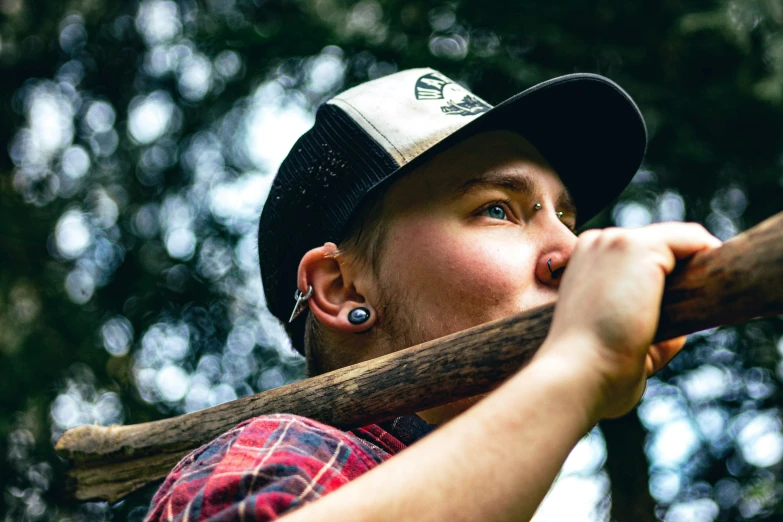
(554, 273)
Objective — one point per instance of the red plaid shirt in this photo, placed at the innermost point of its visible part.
(270, 465)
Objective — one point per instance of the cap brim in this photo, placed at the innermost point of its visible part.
(586, 126)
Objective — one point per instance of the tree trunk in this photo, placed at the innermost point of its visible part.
(627, 466)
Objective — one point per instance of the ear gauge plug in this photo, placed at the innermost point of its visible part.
(358, 315)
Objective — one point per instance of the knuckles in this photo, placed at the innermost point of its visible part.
(607, 239)
(652, 236)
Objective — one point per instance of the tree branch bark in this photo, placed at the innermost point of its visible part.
(740, 281)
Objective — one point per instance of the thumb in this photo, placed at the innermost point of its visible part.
(660, 354)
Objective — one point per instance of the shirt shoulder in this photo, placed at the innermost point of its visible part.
(267, 466)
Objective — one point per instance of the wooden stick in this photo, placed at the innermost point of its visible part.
(737, 282)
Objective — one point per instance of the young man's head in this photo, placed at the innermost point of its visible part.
(413, 210)
(466, 238)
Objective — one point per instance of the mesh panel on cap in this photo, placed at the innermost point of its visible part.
(318, 186)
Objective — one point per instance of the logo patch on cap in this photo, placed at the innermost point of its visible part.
(458, 101)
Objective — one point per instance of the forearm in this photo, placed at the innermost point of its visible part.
(494, 463)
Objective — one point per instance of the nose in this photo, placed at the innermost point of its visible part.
(554, 256)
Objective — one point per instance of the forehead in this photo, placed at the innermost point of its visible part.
(486, 153)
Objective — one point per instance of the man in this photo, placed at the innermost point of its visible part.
(412, 210)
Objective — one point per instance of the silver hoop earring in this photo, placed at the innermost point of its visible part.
(301, 302)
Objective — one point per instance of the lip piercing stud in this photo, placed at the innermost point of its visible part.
(301, 302)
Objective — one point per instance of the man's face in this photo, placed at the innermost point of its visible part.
(466, 244)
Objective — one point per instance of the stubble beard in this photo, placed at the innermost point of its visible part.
(398, 328)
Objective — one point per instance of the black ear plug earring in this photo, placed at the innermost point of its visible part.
(358, 315)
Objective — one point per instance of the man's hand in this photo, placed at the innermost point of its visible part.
(609, 305)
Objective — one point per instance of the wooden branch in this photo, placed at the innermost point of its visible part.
(737, 282)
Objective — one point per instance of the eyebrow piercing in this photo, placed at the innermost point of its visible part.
(301, 302)
(538, 206)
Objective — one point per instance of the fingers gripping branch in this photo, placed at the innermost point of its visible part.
(609, 305)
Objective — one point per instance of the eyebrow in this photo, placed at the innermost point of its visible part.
(520, 184)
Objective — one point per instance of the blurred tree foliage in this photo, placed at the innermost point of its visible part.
(142, 138)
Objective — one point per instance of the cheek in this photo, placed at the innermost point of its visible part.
(462, 275)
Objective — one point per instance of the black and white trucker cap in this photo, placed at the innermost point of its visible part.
(585, 125)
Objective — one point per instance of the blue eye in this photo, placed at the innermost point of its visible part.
(495, 212)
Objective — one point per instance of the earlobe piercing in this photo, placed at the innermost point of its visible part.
(358, 315)
(301, 302)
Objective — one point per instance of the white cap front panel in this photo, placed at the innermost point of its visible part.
(408, 112)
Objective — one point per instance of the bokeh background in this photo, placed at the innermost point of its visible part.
(140, 139)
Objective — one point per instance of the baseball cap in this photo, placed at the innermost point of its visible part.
(586, 126)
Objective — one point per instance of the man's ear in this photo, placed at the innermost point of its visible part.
(334, 293)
